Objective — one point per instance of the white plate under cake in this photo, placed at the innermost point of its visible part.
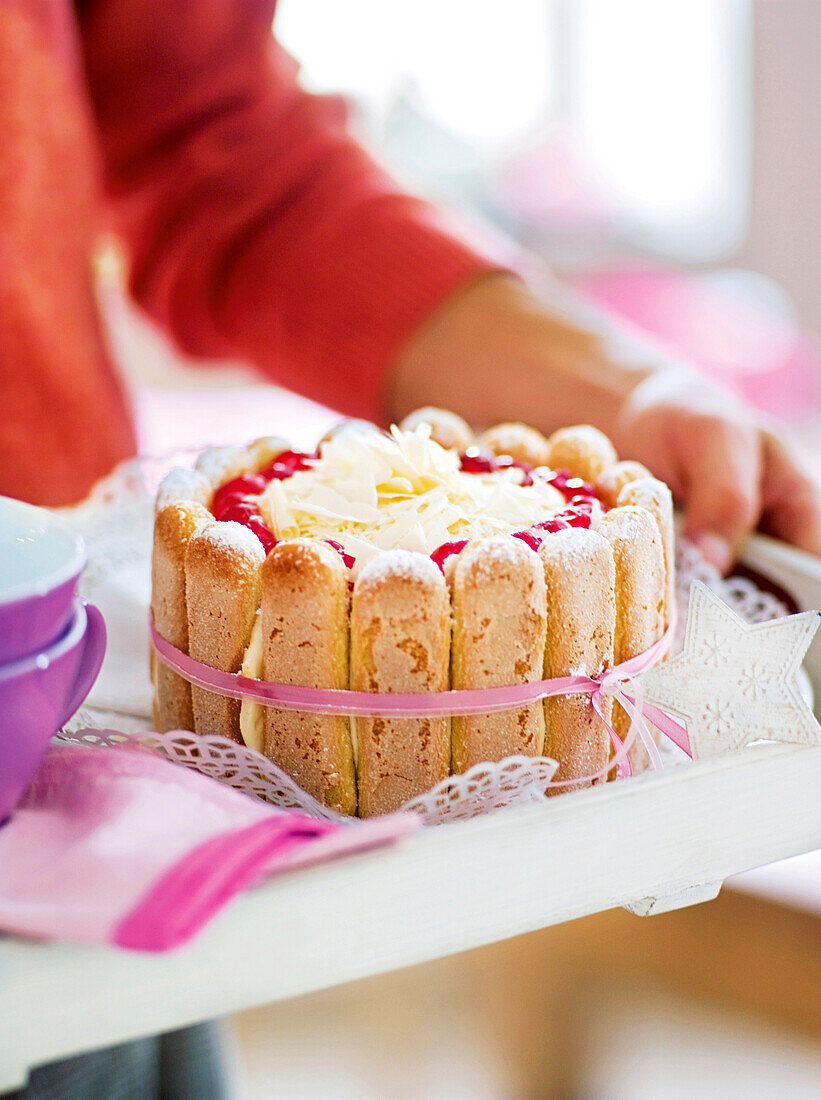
(418, 560)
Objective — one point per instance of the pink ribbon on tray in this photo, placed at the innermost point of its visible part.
(456, 701)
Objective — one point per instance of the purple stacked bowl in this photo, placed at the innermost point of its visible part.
(51, 643)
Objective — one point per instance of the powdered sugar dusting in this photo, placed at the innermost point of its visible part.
(306, 551)
(228, 535)
(499, 552)
(644, 489)
(575, 545)
(180, 484)
(217, 464)
(399, 564)
(626, 520)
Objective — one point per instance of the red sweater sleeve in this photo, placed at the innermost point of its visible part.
(257, 227)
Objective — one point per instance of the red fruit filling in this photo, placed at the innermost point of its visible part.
(249, 516)
(235, 492)
(570, 487)
(574, 518)
(239, 512)
(258, 525)
(286, 464)
(349, 559)
(573, 489)
(443, 552)
(529, 538)
(552, 525)
(474, 462)
(234, 501)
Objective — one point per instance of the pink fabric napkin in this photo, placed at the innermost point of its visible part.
(120, 846)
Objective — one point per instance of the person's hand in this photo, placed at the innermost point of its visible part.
(732, 473)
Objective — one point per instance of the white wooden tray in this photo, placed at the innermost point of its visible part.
(651, 843)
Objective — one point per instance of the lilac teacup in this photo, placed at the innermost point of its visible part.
(39, 693)
(40, 564)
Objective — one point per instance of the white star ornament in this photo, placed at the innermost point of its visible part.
(735, 682)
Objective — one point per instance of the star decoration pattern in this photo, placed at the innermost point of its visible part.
(735, 682)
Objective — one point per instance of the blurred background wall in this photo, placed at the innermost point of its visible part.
(663, 156)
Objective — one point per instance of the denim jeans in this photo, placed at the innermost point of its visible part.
(180, 1065)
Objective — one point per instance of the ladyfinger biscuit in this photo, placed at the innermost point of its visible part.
(579, 574)
(583, 450)
(220, 464)
(216, 465)
(517, 440)
(446, 428)
(654, 495)
(222, 586)
(183, 485)
(351, 424)
(400, 642)
(611, 482)
(305, 642)
(640, 595)
(499, 625)
(174, 525)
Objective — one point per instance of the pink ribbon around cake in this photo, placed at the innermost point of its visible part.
(455, 701)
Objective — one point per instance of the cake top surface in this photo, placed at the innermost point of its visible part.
(372, 491)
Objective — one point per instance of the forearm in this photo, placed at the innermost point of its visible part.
(497, 351)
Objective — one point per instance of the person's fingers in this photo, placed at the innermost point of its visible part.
(730, 473)
(721, 462)
(791, 496)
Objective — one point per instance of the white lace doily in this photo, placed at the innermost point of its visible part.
(517, 780)
(116, 524)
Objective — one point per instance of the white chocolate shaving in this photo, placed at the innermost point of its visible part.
(373, 492)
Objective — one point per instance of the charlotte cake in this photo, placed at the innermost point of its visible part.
(419, 560)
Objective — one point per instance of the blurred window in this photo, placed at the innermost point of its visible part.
(582, 126)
